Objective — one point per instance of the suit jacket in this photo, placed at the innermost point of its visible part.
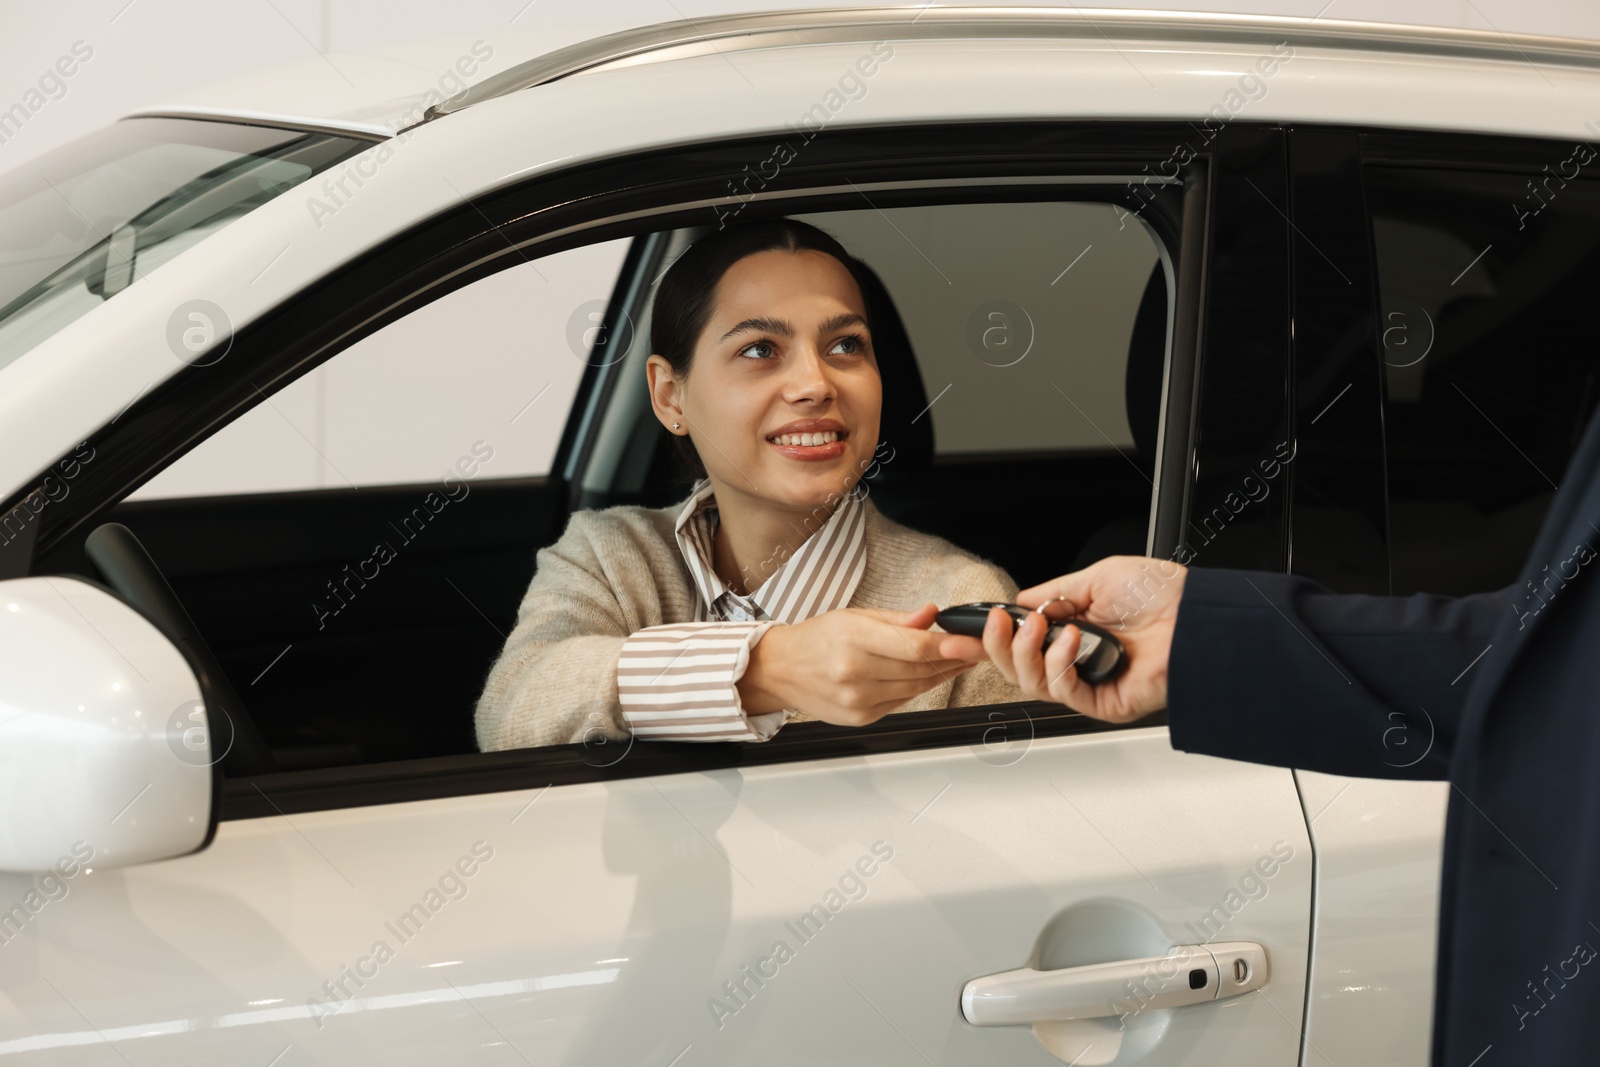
(1501, 691)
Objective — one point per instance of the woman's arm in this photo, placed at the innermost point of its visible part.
(679, 682)
(585, 664)
(554, 682)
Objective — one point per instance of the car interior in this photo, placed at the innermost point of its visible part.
(396, 674)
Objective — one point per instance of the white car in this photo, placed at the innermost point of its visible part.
(1249, 292)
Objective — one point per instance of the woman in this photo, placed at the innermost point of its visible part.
(777, 591)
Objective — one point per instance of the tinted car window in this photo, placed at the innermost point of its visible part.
(1487, 282)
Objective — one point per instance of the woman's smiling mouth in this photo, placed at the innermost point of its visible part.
(810, 440)
(826, 438)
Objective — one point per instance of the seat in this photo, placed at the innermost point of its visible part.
(974, 504)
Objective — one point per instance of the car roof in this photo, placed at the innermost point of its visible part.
(400, 87)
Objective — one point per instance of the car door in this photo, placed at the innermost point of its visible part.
(829, 894)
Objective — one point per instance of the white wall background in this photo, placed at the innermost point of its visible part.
(146, 52)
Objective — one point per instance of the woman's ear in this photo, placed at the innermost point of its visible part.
(666, 394)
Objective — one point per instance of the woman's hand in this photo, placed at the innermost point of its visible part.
(1135, 598)
(852, 666)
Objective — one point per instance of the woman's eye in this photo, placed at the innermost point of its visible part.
(854, 344)
(750, 352)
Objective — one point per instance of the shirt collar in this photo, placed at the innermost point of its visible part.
(820, 575)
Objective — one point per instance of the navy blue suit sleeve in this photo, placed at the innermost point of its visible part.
(1276, 669)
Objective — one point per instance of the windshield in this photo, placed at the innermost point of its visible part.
(82, 223)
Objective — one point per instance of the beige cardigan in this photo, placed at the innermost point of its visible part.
(618, 570)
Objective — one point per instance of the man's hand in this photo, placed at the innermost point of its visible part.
(852, 666)
(1133, 597)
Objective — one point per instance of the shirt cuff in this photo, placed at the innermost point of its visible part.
(767, 723)
(677, 682)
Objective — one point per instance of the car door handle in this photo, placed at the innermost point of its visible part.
(1189, 974)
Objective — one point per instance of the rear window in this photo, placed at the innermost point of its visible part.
(81, 224)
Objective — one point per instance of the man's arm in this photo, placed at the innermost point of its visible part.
(1264, 667)
(1276, 669)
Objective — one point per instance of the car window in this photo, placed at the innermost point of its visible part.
(497, 361)
(356, 546)
(1020, 344)
(1487, 281)
(82, 223)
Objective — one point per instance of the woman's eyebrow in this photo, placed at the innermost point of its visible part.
(783, 329)
(765, 325)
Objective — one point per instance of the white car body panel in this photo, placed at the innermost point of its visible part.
(643, 896)
(1379, 847)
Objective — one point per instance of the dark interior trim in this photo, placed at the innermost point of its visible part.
(16, 548)
(1175, 465)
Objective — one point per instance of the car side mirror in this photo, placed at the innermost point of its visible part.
(105, 752)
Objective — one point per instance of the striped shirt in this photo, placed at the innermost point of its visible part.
(677, 681)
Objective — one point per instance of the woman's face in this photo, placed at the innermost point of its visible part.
(783, 396)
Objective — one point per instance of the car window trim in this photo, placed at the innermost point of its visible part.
(1242, 388)
(1001, 737)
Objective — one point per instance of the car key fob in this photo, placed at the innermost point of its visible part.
(1101, 656)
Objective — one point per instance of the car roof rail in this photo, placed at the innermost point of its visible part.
(746, 32)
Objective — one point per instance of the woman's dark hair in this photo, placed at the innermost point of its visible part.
(684, 299)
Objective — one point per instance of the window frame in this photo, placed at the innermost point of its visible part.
(1339, 430)
(607, 199)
